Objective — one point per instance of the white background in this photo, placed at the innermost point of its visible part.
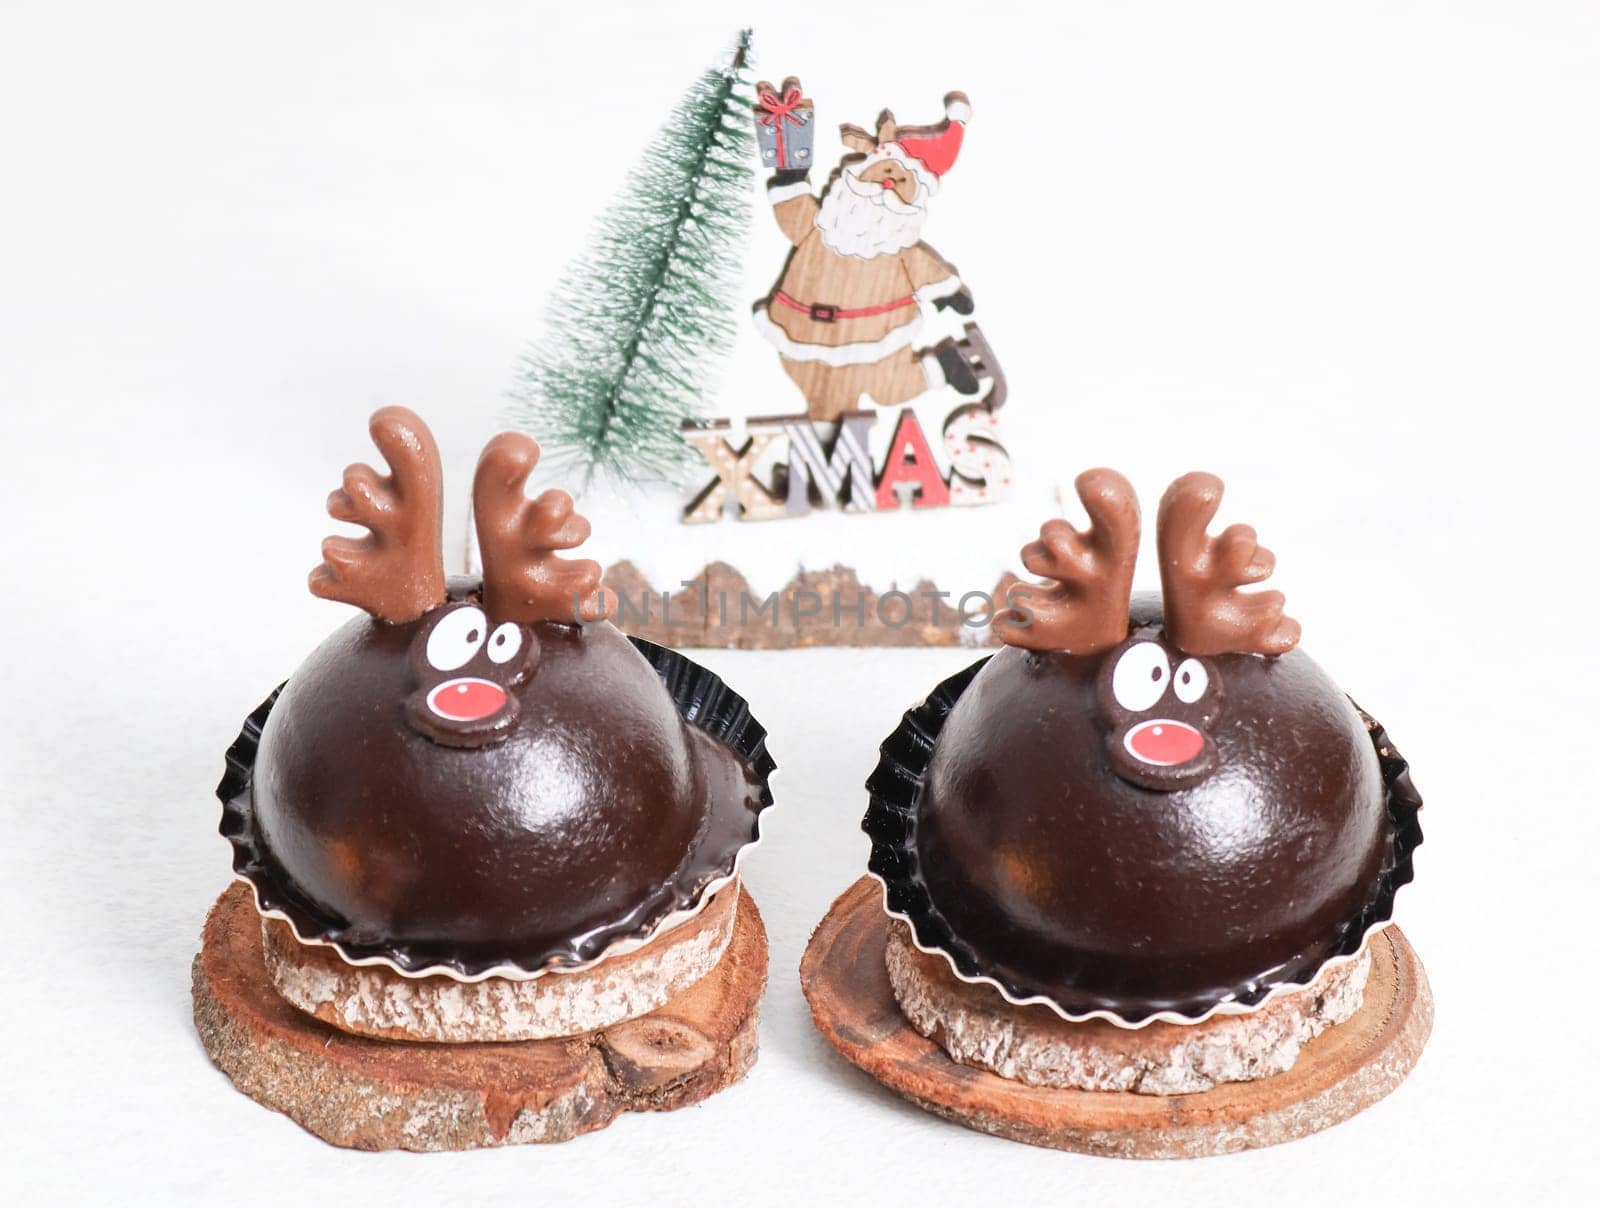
(1348, 260)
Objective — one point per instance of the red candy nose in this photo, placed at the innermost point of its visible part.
(1165, 742)
(467, 699)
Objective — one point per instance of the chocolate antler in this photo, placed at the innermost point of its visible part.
(1086, 609)
(395, 572)
(523, 579)
(1203, 610)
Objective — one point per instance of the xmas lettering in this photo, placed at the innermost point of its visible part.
(808, 463)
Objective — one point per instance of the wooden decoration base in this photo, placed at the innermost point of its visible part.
(815, 608)
(374, 1094)
(1349, 1067)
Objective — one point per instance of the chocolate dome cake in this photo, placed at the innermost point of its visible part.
(1145, 807)
(481, 778)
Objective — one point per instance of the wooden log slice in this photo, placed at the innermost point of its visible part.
(365, 1093)
(1347, 1068)
(976, 1026)
(371, 1000)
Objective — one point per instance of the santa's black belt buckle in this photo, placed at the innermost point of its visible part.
(823, 313)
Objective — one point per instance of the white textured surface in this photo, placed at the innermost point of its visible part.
(1346, 257)
(964, 549)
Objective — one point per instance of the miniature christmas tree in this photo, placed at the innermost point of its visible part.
(636, 322)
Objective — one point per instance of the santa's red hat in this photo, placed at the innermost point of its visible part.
(933, 154)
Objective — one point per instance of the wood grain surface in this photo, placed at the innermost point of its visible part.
(1347, 1068)
(365, 1093)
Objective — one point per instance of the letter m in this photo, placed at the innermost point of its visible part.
(842, 474)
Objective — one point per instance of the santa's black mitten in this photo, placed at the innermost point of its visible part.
(785, 177)
(960, 301)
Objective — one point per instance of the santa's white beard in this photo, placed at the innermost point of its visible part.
(869, 222)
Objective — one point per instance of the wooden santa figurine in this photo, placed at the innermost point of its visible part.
(846, 313)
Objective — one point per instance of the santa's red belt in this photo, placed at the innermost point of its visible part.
(824, 313)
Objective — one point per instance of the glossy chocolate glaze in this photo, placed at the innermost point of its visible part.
(599, 813)
(1031, 861)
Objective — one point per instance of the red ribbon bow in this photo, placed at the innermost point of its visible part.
(778, 110)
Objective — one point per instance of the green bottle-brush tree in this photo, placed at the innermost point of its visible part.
(638, 322)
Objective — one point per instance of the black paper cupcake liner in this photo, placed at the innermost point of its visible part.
(703, 700)
(896, 782)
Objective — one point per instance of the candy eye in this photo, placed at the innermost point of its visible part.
(504, 642)
(1140, 676)
(1191, 681)
(456, 638)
